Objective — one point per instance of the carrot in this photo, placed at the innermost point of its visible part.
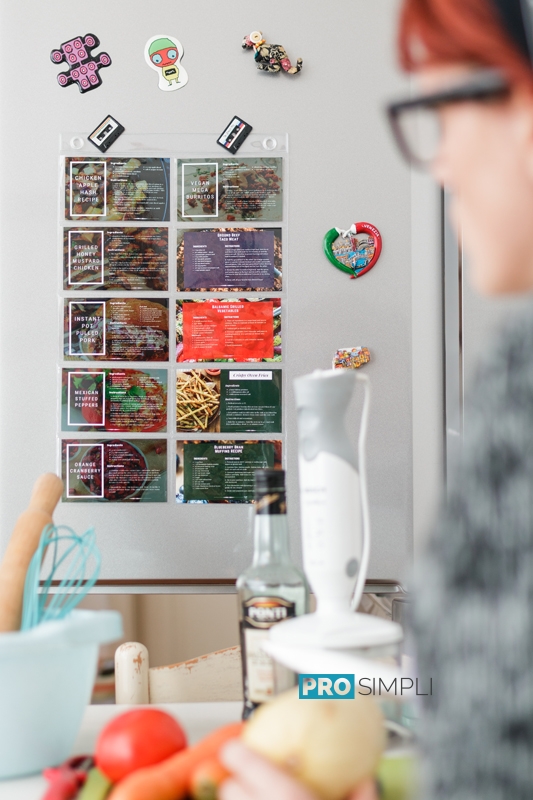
(170, 779)
(206, 779)
(21, 547)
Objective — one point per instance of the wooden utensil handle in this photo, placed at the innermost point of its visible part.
(46, 493)
(22, 545)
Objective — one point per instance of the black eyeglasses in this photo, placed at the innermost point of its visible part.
(415, 123)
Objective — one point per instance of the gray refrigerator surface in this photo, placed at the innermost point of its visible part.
(343, 169)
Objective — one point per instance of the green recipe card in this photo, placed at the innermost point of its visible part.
(222, 471)
(251, 400)
(228, 400)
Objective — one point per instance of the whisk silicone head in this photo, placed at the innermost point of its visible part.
(76, 557)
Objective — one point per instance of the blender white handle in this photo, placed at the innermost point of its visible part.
(365, 554)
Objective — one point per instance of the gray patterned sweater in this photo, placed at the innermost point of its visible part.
(473, 615)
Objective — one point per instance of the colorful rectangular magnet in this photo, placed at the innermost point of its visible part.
(163, 54)
(83, 66)
(351, 358)
(234, 134)
(106, 133)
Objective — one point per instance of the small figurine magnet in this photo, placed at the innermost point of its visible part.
(350, 358)
(106, 133)
(352, 253)
(270, 57)
(163, 54)
(83, 66)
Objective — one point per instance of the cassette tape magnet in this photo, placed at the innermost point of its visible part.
(234, 134)
(106, 133)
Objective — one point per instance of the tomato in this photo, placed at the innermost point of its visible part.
(135, 739)
(92, 415)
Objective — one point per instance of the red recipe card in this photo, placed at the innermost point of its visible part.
(240, 330)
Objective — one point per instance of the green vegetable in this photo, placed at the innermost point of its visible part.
(130, 405)
(96, 787)
(397, 778)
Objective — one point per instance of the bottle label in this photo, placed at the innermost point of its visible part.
(273, 503)
(259, 614)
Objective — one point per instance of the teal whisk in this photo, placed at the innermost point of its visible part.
(79, 560)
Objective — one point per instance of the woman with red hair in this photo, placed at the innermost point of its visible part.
(471, 125)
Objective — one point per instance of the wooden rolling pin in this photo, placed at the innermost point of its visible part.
(22, 545)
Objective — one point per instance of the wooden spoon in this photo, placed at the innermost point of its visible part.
(22, 545)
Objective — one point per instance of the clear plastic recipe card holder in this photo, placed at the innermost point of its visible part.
(158, 193)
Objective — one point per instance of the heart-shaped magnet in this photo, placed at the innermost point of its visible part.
(354, 251)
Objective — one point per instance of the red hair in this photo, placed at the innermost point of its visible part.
(458, 31)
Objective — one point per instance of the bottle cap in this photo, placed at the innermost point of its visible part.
(269, 480)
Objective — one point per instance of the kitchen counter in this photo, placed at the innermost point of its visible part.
(197, 719)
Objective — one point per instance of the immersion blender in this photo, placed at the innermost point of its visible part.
(335, 517)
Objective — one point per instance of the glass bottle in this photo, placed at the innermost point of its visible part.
(269, 591)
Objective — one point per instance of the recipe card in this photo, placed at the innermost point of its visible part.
(126, 400)
(218, 259)
(228, 330)
(116, 329)
(228, 401)
(112, 189)
(232, 189)
(115, 470)
(222, 471)
(135, 259)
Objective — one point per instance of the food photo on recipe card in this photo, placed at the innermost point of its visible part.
(228, 400)
(228, 330)
(230, 189)
(116, 329)
(229, 259)
(114, 470)
(117, 189)
(113, 400)
(222, 471)
(131, 259)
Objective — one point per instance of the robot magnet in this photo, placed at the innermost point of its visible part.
(83, 66)
(163, 54)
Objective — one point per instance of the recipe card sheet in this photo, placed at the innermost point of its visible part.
(171, 303)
